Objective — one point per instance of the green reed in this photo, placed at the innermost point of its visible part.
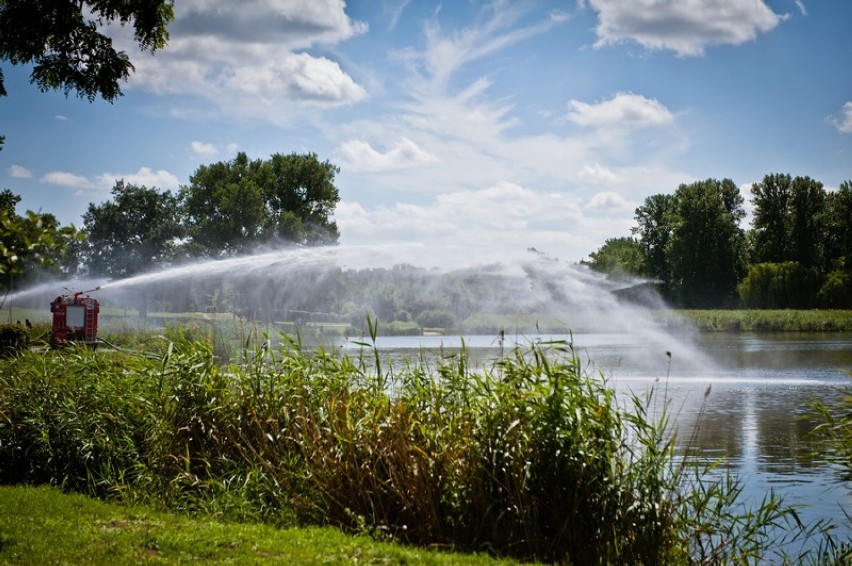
(533, 458)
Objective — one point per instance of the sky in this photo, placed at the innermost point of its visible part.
(464, 123)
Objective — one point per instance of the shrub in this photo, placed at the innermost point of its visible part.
(14, 338)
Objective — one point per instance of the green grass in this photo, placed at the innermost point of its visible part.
(41, 525)
(743, 320)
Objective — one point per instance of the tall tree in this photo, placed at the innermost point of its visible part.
(807, 222)
(61, 39)
(302, 194)
(223, 207)
(707, 247)
(770, 223)
(838, 246)
(232, 207)
(136, 231)
(654, 230)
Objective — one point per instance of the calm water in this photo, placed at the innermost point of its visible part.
(755, 417)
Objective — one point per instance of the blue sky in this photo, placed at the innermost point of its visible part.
(479, 124)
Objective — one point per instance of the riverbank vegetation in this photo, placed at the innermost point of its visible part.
(532, 459)
(797, 253)
(758, 320)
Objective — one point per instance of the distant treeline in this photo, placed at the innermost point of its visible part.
(228, 208)
(797, 253)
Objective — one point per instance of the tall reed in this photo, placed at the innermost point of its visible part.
(533, 458)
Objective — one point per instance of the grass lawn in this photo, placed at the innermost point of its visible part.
(44, 526)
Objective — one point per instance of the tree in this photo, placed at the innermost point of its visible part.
(302, 196)
(28, 243)
(136, 231)
(838, 208)
(233, 207)
(807, 222)
(769, 233)
(619, 257)
(61, 39)
(785, 285)
(707, 246)
(789, 221)
(654, 219)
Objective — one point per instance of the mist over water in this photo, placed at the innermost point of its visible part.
(480, 290)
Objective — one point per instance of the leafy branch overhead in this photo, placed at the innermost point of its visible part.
(64, 42)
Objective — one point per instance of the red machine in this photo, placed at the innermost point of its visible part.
(75, 319)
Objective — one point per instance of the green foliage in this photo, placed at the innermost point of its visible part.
(707, 246)
(836, 427)
(654, 229)
(533, 458)
(788, 285)
(770, 224)
(693, 244)
(61, 40)
(31, 242)
(136, 231)
(762, 320)
(836, 291)
(436, 319)
(233, 207)
(14, 338)
(620, 257)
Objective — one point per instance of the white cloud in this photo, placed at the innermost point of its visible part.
(843, 122)
(609, 200)
(359, 155)
(597, 173)
(146, 177)
(445, 53)
(250, 58)
(500, 219)
(393, 10)
(686, 27)
(624, 110)
(64, 179)
(297, 24)
(201, 148)
(61, 118)
(18, 172)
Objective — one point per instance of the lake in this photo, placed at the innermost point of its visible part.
(755, 419)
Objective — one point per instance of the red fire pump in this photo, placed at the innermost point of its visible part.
(75, 319)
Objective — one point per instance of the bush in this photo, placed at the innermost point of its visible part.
(436, 319)
(787, 285)
(14, 338)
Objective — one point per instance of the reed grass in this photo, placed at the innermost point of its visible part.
(752, 320)
(533, 458)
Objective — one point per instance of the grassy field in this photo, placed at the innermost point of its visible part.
(41, 525)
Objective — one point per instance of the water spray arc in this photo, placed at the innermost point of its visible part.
(459, 290)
